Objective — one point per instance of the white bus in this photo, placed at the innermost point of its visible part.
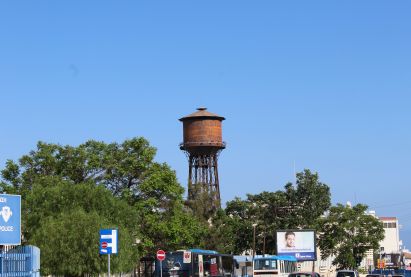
(195, 263)
(274, 266)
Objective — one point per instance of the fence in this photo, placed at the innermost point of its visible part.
(20, 261)
(391, 272)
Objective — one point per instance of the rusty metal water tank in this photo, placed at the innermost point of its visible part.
(202, 132)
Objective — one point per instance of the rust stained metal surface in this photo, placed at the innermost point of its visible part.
(203, 141)
(202, 129)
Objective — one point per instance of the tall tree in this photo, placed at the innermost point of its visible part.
(308, 200)
(63, 219)
(348, 233)
(295, 207)
(154, 215)
(221, 233)
(128, 169)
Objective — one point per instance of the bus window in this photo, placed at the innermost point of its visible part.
(214, 268)
(195, 265)
(227, 265)
(173, 265)
(265, 264)
(211, 265)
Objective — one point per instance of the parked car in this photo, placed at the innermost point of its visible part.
(304, 274)
(374, 275)
(347, 273)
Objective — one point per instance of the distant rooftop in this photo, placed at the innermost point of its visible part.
(407, 255)
(387, 218)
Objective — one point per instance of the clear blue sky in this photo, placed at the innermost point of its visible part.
(326, 84)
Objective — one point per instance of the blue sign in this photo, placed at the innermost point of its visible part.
(108, 241)
(10, 219)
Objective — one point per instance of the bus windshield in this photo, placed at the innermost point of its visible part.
(261, 264)
(197, 263)
(173, 265)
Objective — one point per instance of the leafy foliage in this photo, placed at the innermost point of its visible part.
(203, 206)
(309, 200)
(69, 193)
(127, 170)
(221, 233)
(63, 220)
(296, 207)
(347, 233)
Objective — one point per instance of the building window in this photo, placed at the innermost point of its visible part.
(390, 225)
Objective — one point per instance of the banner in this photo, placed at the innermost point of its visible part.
(298, 243)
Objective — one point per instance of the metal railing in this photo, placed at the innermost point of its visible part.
(20, 261)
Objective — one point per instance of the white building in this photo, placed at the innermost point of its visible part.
(391, 243)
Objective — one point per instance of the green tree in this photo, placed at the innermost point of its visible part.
(308, 200)
(239, 213)
(63, 220)
(57, 182)
(203, 206)
(221, 233)
(347, 233)
(295, 207)
(128, 169)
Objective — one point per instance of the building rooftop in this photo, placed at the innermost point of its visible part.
(407, 255)
(387, 218)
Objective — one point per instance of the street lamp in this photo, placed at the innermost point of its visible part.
(264, 244)
(255, 224)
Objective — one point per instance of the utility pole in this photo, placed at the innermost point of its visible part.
(264, 245)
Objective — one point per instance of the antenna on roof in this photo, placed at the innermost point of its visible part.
(295, 175)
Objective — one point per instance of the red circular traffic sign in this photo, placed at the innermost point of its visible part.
(104, 244)
(161, 255)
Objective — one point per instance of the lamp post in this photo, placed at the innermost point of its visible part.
(264, 235)
(264, 245)
(255, 224)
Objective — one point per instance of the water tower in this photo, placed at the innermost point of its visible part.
(202, 143)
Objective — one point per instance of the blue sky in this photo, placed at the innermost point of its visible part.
(324, 84)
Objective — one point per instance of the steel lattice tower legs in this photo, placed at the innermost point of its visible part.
(203, 178)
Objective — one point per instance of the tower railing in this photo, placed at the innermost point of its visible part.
(221, 144)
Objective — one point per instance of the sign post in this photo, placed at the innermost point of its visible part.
(108, 265)
(161, 255)
(10, 219)
(108, 243)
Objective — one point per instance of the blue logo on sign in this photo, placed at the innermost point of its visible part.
(10, 219)
(108, 241)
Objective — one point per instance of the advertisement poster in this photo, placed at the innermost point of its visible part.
(298, 243)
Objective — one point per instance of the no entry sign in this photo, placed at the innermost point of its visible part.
(108, 241)
(161, 255)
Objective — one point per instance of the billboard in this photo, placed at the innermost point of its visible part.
(298, 243)
(10, 219)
